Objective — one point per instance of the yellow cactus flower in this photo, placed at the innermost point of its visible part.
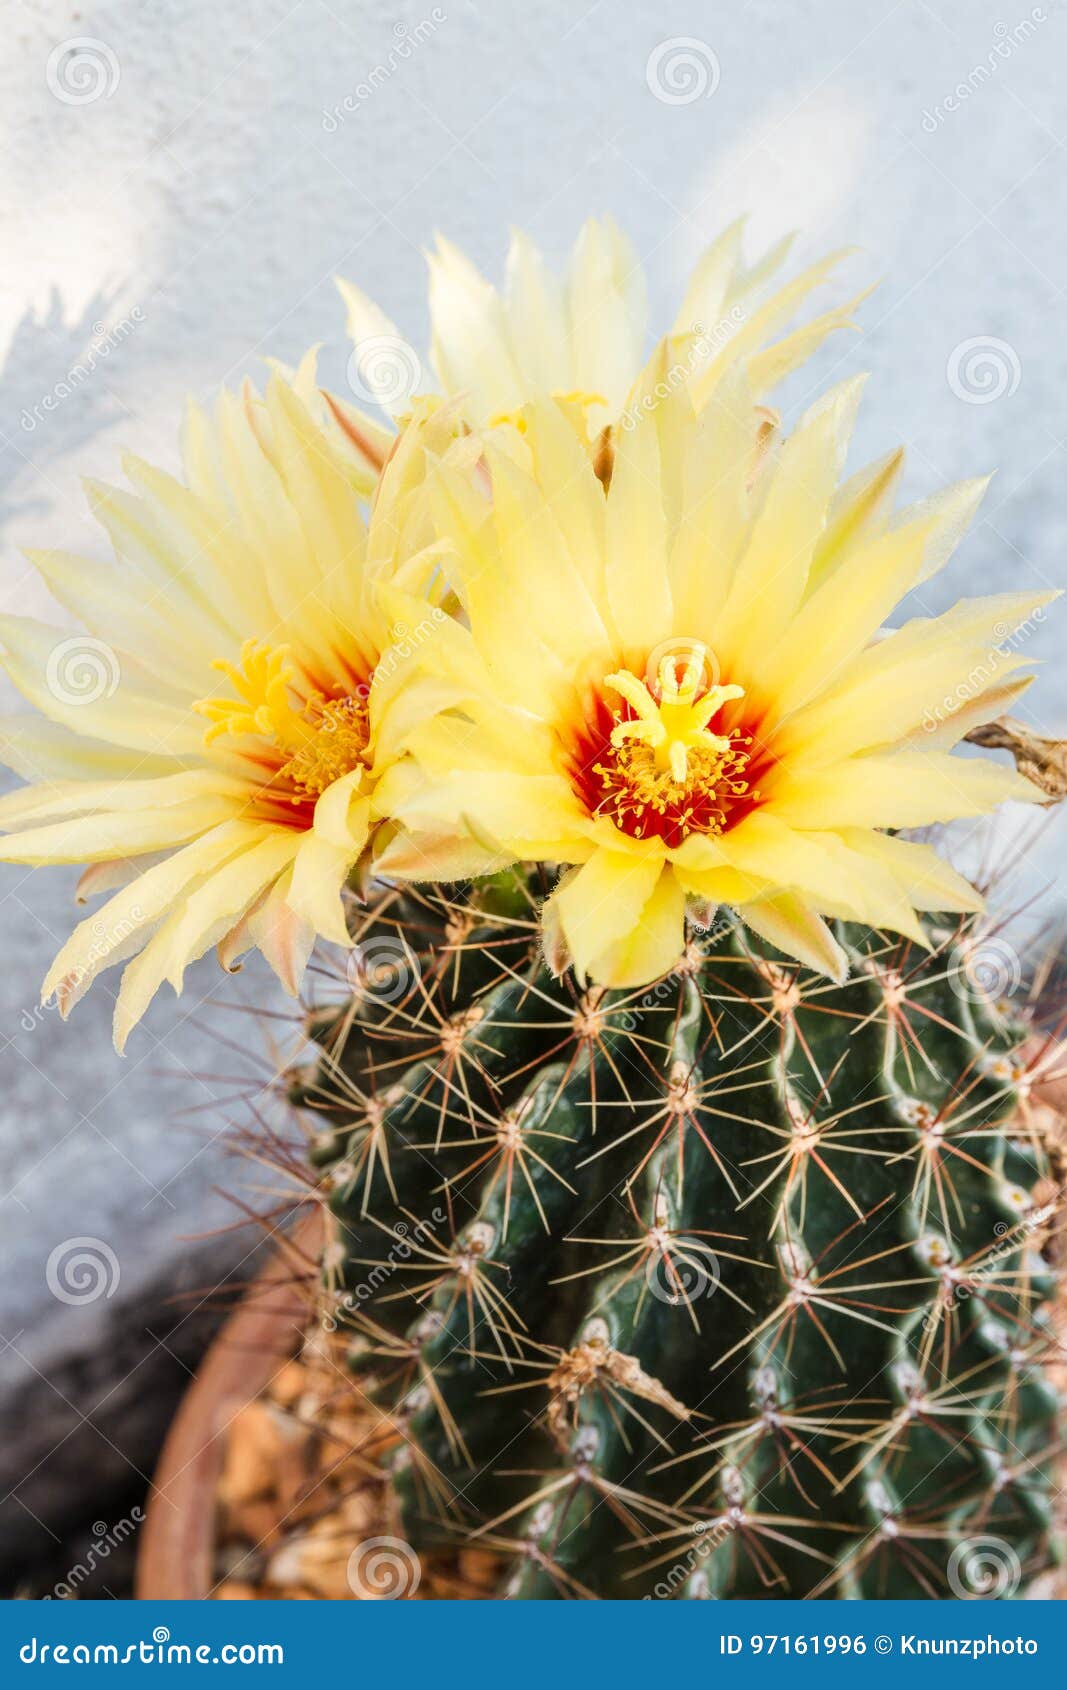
(683, 693)
(212, 744)
(581, 338)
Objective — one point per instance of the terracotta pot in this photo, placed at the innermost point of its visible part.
(177, 1553)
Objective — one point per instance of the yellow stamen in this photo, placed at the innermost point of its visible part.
(336, 746)
(262, 706)
(319, 739)
(584, 401)
(674, 723)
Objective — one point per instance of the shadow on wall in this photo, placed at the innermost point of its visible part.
(54, 365)
(86, 1394)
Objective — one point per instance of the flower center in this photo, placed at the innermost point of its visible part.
(311, 740)
(340, 730)
(654, 764)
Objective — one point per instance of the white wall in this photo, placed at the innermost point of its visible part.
(189, 219)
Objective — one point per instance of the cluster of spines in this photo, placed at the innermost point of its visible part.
(730, 1286)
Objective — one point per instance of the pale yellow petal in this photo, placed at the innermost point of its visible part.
(51, 801)
(273, 928)
(772, 364)
(715, 510)
(772, 573)
(527, 816)
(603, 902)
(636, 541)
(38, 749)
(87, 686)
(792, 927)
(607, 309)
(838, 620)
(925, 878)
(471, 349)
(709, 286)
(320, 871)
(537, 319)
(120, 926)
(342, 814)
(914, 680)
(859, 513)
(225, 894)
(441, 856)
(87, 839)
(911, 789)
(756, 326)
(654, 942)
(541, 567)
(369, 327)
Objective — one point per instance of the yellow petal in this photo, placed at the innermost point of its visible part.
(471, 348)
(654, 942)
(772, 573)
(274, 929)
(342, 814)
(603, 902)
(914, 680)
(91, 688)
(367, 322)
(858, 514)
(926, 879)
(607, 310)
(636, 541)
(87, 839)
(319, 874)
(715, 511)
(225, 895)
(910, 789)
(793, 928)
(120, 926)
(772, 364)
(838, 620)
(522, 816)
(537, 318)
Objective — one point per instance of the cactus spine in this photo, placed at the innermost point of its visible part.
(728, 1287)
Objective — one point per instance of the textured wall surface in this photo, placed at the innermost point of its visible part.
(173, 207)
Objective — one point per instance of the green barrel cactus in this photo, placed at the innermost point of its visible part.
(731, 1286)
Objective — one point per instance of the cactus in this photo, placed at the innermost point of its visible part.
(731, 1286)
